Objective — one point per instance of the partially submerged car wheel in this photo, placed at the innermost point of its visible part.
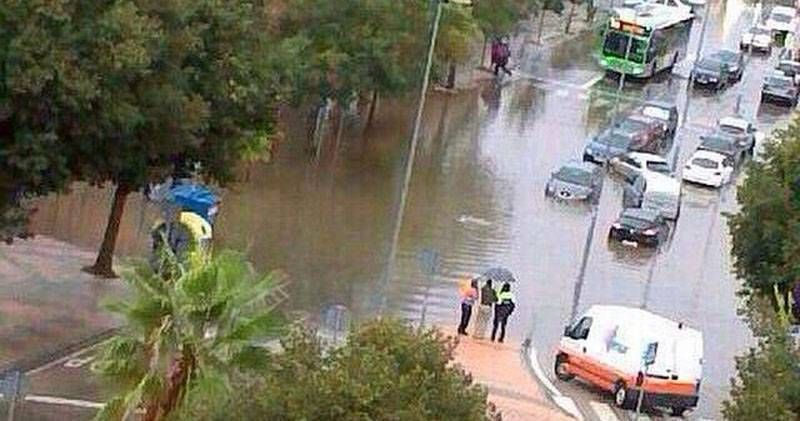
(622, 396)
(561, 369)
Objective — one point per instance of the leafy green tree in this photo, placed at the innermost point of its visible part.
(128, 91)
(187, 335)
(766, 230)
(385, 371)
(767, 385)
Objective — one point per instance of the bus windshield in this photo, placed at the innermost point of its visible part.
(616, 45)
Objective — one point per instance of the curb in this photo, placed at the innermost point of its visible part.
(564, 403)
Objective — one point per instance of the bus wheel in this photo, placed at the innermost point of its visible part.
(622, 396)
(562, 372)
(678, 411)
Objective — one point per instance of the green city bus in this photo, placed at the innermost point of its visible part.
(646, 39)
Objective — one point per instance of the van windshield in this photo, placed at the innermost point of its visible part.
(659, 167)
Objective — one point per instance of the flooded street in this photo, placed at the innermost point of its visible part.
(477, 200)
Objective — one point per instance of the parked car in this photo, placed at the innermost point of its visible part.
(646, 133)
(734, 60)
(652, 191)
(741, 129)
(708, 168)
(789, 68)
(577, 181)
(781, 89)
(639, 227)
(635, 163)
(782, 19)
(723, 144)
(606, 145)
(713, 73)
(666, 112)
(757, 38)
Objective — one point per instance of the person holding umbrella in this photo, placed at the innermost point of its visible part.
(502, 310)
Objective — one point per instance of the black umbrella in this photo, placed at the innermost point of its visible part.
(499, 275)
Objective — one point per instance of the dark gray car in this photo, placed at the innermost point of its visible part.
(575, 180)
(723, 144)
(711, 72)
(607, 145)
(781, 89)
(664, 111)
(734, 60)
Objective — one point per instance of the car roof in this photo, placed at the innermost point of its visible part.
(581, 165)
(714, 156)
(661, 104)
(661, 182)
(725, 54)
(640, 213)
(646, 157)
(783, 10)
(778, 74)
(734, 121)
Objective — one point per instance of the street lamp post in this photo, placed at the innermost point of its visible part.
(587, 246)
(622, 75)
(412, 149)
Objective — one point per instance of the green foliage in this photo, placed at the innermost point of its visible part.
(209, 315)
(766, 231)
(385, 371)
(499, 17)
(767, 386)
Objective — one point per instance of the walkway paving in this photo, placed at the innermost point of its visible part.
(46, 302)
(511, 387)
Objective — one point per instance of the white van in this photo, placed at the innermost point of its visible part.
(622, 349)
(653, 191)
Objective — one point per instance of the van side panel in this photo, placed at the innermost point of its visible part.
(599, 374)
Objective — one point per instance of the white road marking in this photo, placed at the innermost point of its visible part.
(603, 411)
(53, 400)
(78, 362)
(59, 361)
(592, 81)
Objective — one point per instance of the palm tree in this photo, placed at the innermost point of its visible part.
(187, 334)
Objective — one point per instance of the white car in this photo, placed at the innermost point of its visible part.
(782, 19)
(757, 38)
(708, 168)
(634, 163)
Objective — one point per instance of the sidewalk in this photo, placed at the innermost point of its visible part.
(47, 304)
(511, 387)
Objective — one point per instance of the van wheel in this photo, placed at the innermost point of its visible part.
(622, 396)
(562, 372)
(678, 411)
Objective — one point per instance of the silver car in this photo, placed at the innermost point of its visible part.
(575, 181)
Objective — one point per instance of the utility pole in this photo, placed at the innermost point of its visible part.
(621, 84)
(587, 246)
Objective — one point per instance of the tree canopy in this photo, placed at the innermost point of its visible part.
(385, 370)
(766, 230)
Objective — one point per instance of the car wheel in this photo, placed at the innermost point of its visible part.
(678, 411)
(622, 397)
(561, 369)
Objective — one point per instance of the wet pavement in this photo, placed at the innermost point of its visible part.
(476, 198)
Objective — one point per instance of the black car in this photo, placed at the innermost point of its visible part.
(778, 88)
(639, 227)
(713, 73)
(575, 180)
(734, 60)
(607, 145)
(666, 112)
(724, 144)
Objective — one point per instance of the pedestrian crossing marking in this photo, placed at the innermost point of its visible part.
(603, 411)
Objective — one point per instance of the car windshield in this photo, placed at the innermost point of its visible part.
(659, 167)
(778, 17)
(710, 63)
(760, 31)
(573, 175)
(789, 68)
(656, 112)
(635, 222)
(630, 126)
(779, 82)
(616, 45)
(614, 140)
(717, 144)
(704, 163)
(727, 56)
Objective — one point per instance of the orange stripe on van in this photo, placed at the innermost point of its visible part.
(605, 376)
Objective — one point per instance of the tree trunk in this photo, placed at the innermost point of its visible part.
(372, 105)
(102, 265)
(541, 26)
(570, 16)
(483, 50)
(590, 11)
(451, 76)
(177, 378)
